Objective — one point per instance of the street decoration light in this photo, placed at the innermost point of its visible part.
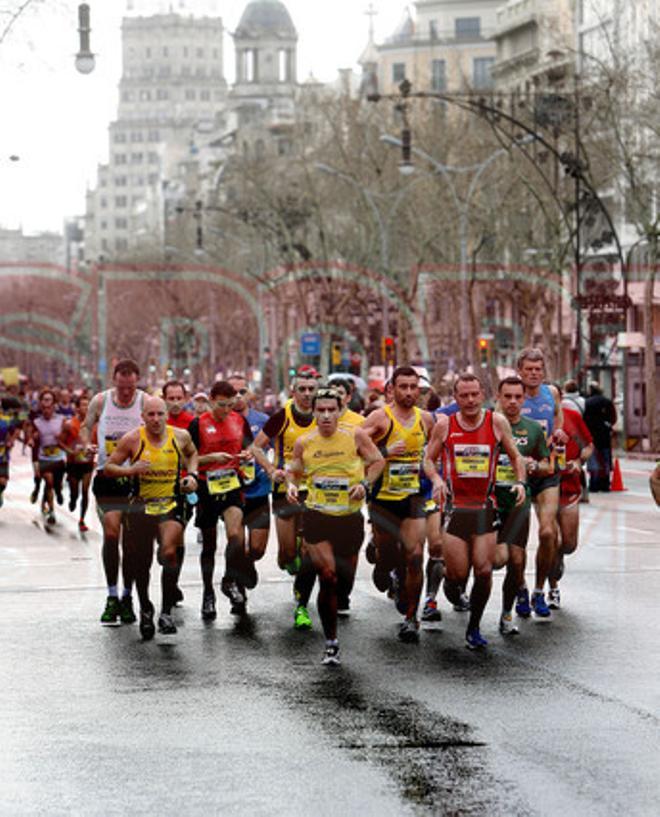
(85, 60)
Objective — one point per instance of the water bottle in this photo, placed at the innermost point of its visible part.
(560, 452)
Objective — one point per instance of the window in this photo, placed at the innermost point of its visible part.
(433, 30)
(121, 223)
(121, 201)
(185, 71)
(162, 93)
(283, 65)
(121, 181)
(205, 96)
(468, 28)
(120, 159)
(153, 158)
(121, 244)
(127, 96)
(153, 136)
(284, 147)
(137, 158)
(119, 137)
(438, 75)
(482, 76)
(104, 243)
(103, 202)
(166, 51)
(152, 178)
(145, 95)
(136, 136)
(200, 53)
(190, 93)
(398, 72)
(104, 225)
(249, 65)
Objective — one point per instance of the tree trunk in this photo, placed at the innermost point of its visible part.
(649, 358)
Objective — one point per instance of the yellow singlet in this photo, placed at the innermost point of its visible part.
(287, 440)
(351, 419)
(158, 486)
(401, 474)
(332, 466)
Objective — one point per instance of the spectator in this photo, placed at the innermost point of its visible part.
(599, 417)
(572, 398)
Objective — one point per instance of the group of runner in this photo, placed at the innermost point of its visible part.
(461, 479)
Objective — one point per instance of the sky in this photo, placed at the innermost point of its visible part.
(55, 120)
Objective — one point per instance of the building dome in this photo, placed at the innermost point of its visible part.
(266, 18)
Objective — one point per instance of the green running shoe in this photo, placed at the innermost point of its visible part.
(126, 613)
(301, 619)
(110, 616)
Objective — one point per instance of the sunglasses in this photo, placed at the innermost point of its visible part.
(241, 391)
(308, 389)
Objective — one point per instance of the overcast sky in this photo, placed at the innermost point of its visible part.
(56, 120)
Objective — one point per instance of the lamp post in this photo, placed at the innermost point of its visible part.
(462, 208)
(85, 60)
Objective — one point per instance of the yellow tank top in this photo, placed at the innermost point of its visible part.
(287, 440)
(332, 466)
(401, 474)
(351, 419)
(158, 486)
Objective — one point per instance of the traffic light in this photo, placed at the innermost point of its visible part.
(484, 352)
(387, 350)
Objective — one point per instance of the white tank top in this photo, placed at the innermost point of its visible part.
(49, 431)
(115, 421)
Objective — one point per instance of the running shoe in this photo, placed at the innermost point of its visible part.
(59, 496)
(110, 616)
(381, 577)
(166, 624)
(50, 519)
(541, 609)
(209, 612)
(463, 604)
(82, 527)
(474, 640)
(431, 612)
(301, 619)
(34, 495)
(409, 631)
(235, 596)
(331, 656)
(147, 629)
(126, 613)
(344, 607)
(523, 608)
(554, 599)
(72, 505)
(507, 627)
(370, 552)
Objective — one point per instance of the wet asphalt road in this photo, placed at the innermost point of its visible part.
(240, 718)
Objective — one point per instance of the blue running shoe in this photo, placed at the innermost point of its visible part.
(541, 609)
(523, 608)
(474, 640)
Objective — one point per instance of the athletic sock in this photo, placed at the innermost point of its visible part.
(112, 591)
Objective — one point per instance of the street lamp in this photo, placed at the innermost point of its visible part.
(85, 61)
(462, 208)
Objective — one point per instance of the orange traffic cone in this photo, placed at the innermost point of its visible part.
(617, 479)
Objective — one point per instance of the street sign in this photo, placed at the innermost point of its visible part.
(310, 344)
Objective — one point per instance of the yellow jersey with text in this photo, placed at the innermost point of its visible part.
(332, 466)
(158, 487)
(401, 477)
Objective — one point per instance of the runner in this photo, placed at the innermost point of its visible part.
(332, 458)
(65, 405)
(513, 532)
(282, 430)
(469, 442)
(51, 458)
(542, 403)
(155, 453)
(10, 426)
(79, 461)
(222, 437)
(256, 507)
(397, 506)
(115, 412)
(579, 448)
(175, 396)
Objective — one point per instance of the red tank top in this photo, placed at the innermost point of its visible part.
(469, 462)
(184, 419)
(221, 435)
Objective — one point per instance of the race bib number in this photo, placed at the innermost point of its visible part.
(249, 472)
(110, 446)
(504, 473)
(222, 481)
(472, 460)
(404, 477)
(51, 451)
(159, 506)
(329, 494)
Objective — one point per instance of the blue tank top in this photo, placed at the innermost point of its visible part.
(260, 485)
(541, 408)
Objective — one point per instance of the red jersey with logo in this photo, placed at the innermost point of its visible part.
(469, 461)
(578, 437)
(182, 420)
(228, 435)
